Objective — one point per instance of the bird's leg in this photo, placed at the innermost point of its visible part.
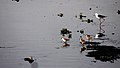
(103, 30)
(103, 20)
(100, 25)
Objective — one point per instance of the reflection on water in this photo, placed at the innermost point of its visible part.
(104, 53)
(34, 65)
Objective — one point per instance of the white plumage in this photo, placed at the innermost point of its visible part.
(99, 16)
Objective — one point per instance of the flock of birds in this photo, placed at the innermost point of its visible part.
(87, 36)
(101, 19)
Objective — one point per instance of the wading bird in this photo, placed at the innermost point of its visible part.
(101, 19)
(88, 37)
(64, 39)
(82, 41)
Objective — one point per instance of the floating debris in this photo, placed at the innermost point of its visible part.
(60, 14)
(29, 59)
(16, 0)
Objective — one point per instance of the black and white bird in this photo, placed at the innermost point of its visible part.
(101, 20)
(99, 35)
(29, 59)
(99, 16)
(16, 0)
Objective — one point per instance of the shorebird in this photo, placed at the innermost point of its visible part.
(29, 59)
(88, 37)
(81, 16)
(64, 39)
(82, 41)
(99, 16)
(101, 19)
(60, 14)
(99, 35)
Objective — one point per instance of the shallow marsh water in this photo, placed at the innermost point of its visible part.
(32, 28)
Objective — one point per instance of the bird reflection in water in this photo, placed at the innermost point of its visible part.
(104, 53)
(65, 45)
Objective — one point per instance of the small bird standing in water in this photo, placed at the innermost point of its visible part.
(82, 41)
(65, 39)
(88, 37)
